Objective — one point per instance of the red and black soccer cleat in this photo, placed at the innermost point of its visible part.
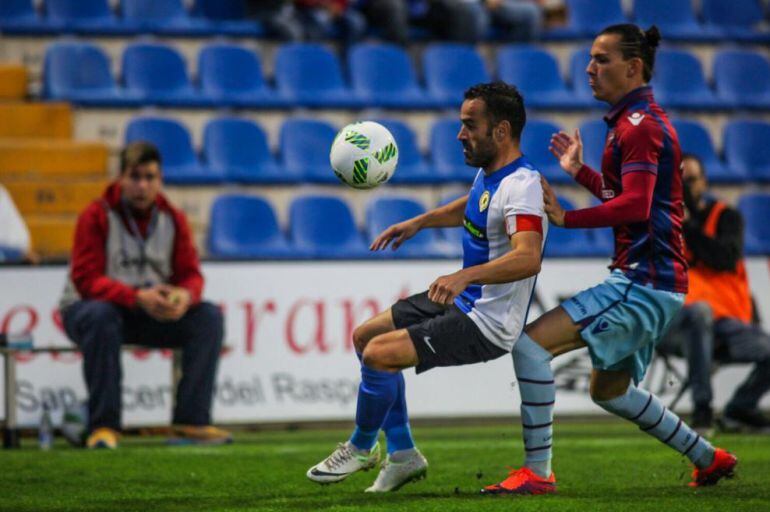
(722, 467)
(523, 481)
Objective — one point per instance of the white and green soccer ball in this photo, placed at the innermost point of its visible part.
(364, 155)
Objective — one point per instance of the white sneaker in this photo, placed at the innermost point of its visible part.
(344, 461)
(394, 475)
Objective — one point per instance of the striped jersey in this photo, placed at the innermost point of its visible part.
(640, 138)
(499, 205)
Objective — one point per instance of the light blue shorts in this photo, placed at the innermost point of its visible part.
(622, 322)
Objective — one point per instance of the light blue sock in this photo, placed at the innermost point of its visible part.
(376, 394)
(538, 394)
(647, 411)
(396, 426)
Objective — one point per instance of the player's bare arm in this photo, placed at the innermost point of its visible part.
(521, 262)
(448, 215)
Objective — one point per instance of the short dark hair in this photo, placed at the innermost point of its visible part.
(138, 153)
(635, 42)
(693, 156)
(504, 103)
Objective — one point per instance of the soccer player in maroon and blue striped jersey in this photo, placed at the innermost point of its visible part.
(621, 319)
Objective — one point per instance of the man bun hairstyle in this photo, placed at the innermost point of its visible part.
(637, 43)
(504, 103)
(138, 153)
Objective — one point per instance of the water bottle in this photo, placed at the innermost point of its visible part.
(45, 432)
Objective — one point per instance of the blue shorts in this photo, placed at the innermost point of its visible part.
(622, 321)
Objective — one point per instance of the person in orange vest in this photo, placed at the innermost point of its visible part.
(716, 321)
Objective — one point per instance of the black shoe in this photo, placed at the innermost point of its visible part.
(744, 419)
(703, 420)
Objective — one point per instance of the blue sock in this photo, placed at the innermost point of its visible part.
(647, 411)
(396, 425)
(538, 394)
(376, 394)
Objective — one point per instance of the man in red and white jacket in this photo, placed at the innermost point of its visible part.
(135, 278)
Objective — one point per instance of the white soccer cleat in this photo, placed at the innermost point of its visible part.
(394, 475)
(344, 461)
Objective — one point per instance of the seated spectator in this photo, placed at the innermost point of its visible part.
(391, 17)
(135, 278)
(716, 322)
(322, 19)
(15, 246)
(469, 21)
(517, 20)
(279, 18)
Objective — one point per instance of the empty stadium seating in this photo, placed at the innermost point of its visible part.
(534, 144)
(742, 78)
(675, 18)
(245, 227)
(747, 151)
(672, 91)
(756, 212)
(386, 211)
(446, 151)
(411, 164)
(157, 75)
(563, 242)
(450, 69)
(304, 147)
(323, 227)
(693, 138)
(736, 19)
(167, 17)
(586, 19)
(593, 133)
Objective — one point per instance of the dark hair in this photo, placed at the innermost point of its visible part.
(504, 103)
(693, 156)
(138, 153)
(635, 42)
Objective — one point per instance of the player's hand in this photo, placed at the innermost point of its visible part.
(444, 289)
(569, 151)
(552, 207)
(397, 234)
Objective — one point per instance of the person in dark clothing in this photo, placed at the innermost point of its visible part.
(716, 322)
(135, 278)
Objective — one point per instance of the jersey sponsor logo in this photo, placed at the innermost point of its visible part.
(484, 201)
(426, 339)
(474, 230)
(636, 118)
(601, 326)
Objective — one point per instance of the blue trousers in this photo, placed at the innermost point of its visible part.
(100, 328)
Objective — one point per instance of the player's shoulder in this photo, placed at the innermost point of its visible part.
(524, 176)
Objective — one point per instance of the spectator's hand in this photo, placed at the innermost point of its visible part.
(400, 232)
(569, 151)
(493, 4)
(444, 289)
(335, 9)
(179, 298)
(552, 207)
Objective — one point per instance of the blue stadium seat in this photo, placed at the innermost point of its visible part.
(534, 144)
(382, 75)
(536, 74)
(84, 16)
(568, 243)
(232, 75)
(311, 76)
(180, 165)
(673, 92)
(586, 19)
(447, 152)
(237, 149)
(579, 79)
(166, 17)
(450, 69)
(80, 73)
(411, 164)
(756, 212)
(742, 78)
(747, 150)
(228, 17)
(594, 136)
(11, 255)
(323, 227)
(386, 211)
(20, 17)
(737, 19)
(245, 227)
(675, 19)
(452, 237)
(602, 240)
(304, 146)
(157, 74)
(693, 138)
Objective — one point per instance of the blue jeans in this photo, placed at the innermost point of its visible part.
(100, 328)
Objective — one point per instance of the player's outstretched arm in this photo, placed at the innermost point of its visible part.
(569, 151)
(520, 263)
(449, 215)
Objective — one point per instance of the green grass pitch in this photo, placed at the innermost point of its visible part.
(603, 465)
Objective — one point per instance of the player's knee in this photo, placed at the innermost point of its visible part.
(605, 387)
(373, 356)
(701, 314)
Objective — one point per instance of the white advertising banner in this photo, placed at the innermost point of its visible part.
(289, 355)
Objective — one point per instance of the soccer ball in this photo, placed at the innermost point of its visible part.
(364, 155)
(74, 423)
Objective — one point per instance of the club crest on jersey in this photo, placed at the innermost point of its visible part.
(636, 118)
(484, 201)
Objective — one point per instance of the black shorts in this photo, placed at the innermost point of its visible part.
(442, 335)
